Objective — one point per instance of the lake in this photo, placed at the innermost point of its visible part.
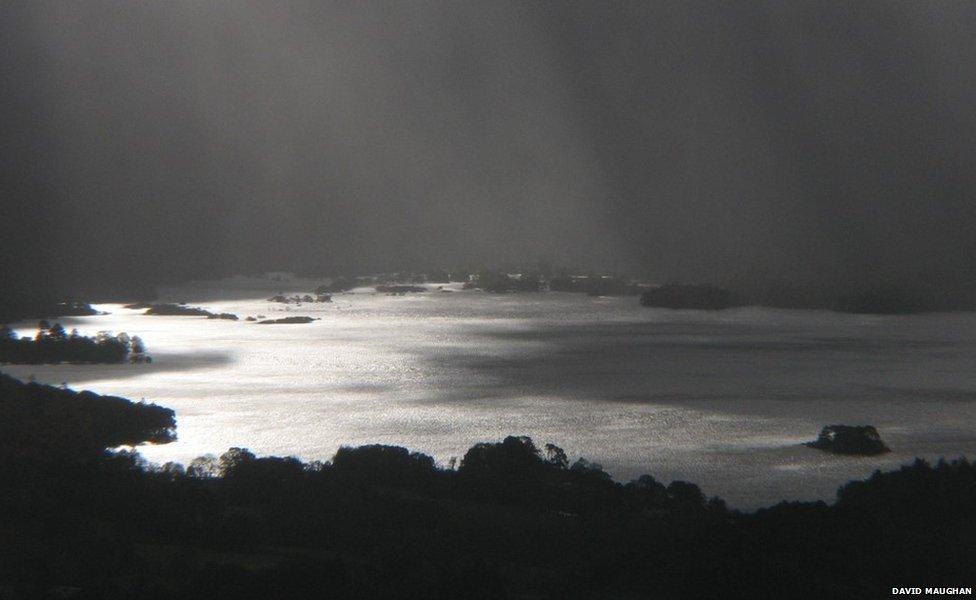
(722, 399)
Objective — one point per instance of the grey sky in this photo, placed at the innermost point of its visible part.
(698, 140)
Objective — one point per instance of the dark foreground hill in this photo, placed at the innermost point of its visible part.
(45, 422)
(512, 520)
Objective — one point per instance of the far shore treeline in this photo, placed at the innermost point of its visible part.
(863, 296)
(511, 519)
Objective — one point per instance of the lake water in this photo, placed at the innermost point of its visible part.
(723, 399)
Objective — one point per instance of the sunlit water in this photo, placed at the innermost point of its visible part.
(723, 399)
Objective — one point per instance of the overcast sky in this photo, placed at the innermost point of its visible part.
(693, 140)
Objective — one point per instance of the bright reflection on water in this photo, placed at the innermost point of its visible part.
(721, 399)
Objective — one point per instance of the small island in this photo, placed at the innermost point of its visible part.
(338, 285)
(286, 321)
(860, 440)
(52, 345)
(181, 310)
(297, 299)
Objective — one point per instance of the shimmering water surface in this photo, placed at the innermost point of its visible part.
(723, 399)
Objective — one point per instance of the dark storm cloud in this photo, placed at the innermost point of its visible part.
(822, 137)
(696, 140)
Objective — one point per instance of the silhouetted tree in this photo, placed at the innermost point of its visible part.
(685, 495)
(52, 345)
(384, 465)
(204, 467)
(590, 470)
(556, 456)
(516, 455)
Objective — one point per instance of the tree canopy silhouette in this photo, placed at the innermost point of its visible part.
(52, 344)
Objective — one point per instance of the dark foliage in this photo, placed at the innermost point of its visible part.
(676, 295)
(848, 439)
(176, 310)
(499, 282)
(513, 521)
(385, 466)
(181, 310)
(224, 316)
(36, 419)
(53, 345)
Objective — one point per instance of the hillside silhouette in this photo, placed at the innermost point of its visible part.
(510, 520)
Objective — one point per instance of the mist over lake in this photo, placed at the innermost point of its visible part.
(721, 398)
